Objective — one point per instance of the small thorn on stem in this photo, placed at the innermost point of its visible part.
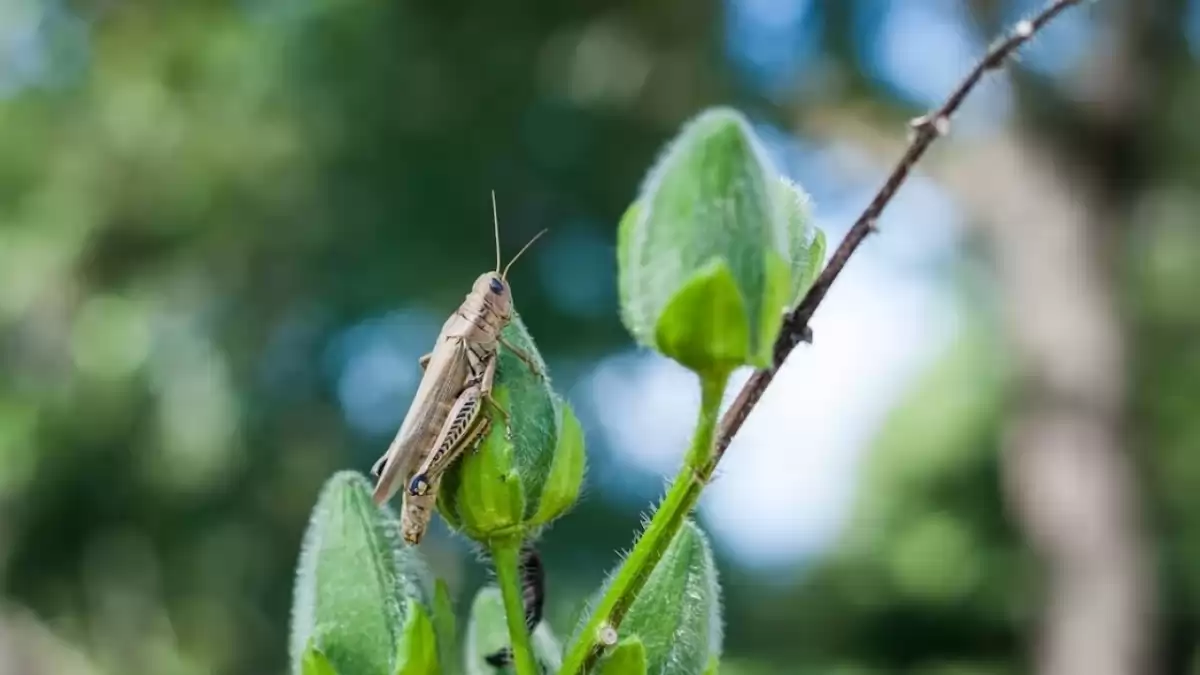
(872, 226)
(914, 127)
(806, 335)
(939, 124)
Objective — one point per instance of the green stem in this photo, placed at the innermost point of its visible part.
(506, 557)
(650, 547)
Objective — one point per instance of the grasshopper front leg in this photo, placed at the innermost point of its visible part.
(521, 354)
(487, 381)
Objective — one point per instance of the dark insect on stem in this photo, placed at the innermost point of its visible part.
(533, 597)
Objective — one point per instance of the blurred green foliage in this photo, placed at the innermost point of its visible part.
(197, 198)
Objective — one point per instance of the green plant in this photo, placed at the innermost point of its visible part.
(714, 251)
(718, 264)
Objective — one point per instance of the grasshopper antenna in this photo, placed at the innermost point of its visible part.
(504, 274)
(496, 222)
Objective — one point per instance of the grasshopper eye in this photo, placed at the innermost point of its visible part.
(497, 286)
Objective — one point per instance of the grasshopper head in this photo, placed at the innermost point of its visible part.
(494, 288)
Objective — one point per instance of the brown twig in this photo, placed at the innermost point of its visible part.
(925, 130)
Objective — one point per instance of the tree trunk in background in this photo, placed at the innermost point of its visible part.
(1053, 203)
(28, 647)
(1069, 479)
(1054, 211)
(1068, 476)
(1057, 245)
(1068, 472)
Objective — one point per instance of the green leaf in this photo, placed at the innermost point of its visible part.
(677, 614)
(703, 327)
(487, 631)
(628, 658)
(714, 665)
(777, 295)
(354, 582)
(561, 489)
(418, 652)
(444, 623)
(313, 662)
(806, 243)
(546, 648)
(816, 261)
(636, 312)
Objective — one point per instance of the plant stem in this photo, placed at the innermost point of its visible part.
(650, 547)
(506, 558)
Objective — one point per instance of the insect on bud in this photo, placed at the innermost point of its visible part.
(362, 600)
(714, 250)
(528, 469)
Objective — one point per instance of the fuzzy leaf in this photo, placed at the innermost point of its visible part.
(806, 242)
(546, 648)
(562, 485)
(418, 653)
(444, 622)
(677, 614)
(487, 634)
(354, 582)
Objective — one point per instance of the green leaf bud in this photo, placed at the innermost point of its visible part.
(713, 250)
(528, 469)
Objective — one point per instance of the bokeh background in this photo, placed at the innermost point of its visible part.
(228, 230)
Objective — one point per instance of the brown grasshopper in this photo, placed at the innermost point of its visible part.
(445, 416)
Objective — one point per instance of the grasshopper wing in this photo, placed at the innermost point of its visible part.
(445, 378)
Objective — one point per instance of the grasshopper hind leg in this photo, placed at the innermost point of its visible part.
(437, 463)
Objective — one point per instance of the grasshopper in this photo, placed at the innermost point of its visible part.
(445, 416)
